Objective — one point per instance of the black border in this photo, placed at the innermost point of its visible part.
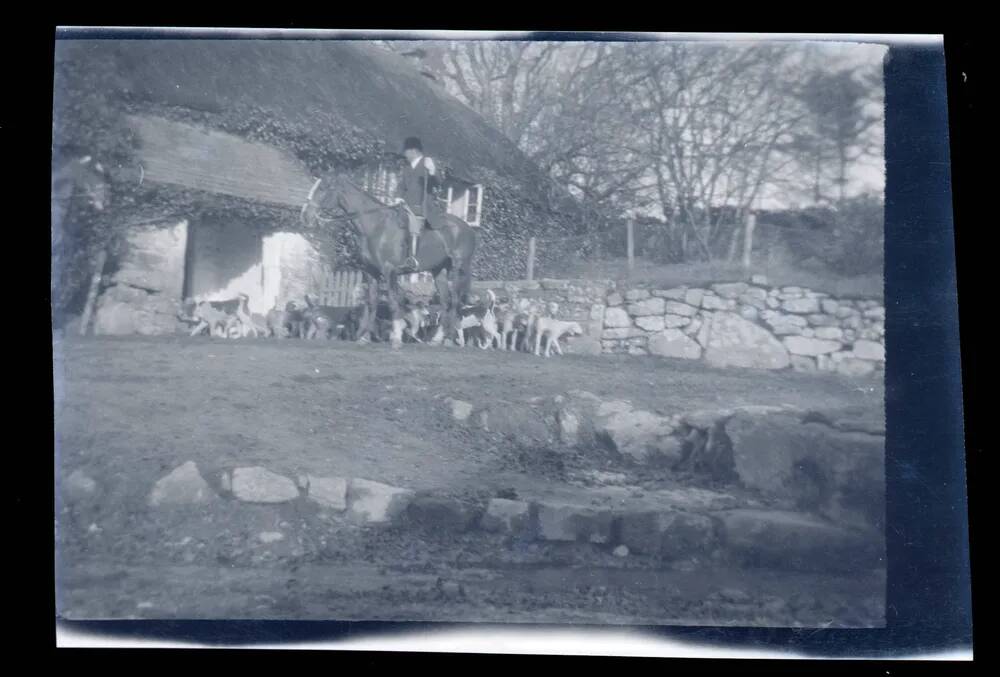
(927, 541)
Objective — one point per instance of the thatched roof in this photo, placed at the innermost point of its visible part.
(371, 93)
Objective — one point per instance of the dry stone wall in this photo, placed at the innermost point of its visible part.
(729, 324)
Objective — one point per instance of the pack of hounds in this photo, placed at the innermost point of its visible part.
(519, 324)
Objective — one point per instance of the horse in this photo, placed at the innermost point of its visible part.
(446, 251)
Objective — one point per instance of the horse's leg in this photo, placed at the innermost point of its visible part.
(368, 316)
(444, 296)
(396, 334)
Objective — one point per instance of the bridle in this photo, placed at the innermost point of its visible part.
(346, 216)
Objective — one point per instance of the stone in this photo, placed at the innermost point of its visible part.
(562, 522)
(675, 321)
(759, 280)
(775, 318)
(852, 366)
(650, 323)
(184, 485)
(79, 485)
(677, 294)
(620, 333)
(830, 333)
(772, 302)
(808, 332)
(682, 309)
(637, 350)
(460, 410)
(876, 313)
(597, 311)
(441, 513)
(670, 534)
(793, 290)
(674, 343)
(795, 541)
(749, 313)
(582, 345)
(844, 311)
(803, 363)
(620, 551)
(640, 435)
(693, 297)
(569, 426)
(713, 303)
(143, 291)
(820, 320)
(271, 536)
(800, 345)
(555, 284)
(506, 516)
(801, 305)
(703, 419)
(869, 350)
(853, 322)
(730, 290)
(259, 485)
(830, 307)
(692, 328)
(754, 297)
(329, 492)
(226, 481)
(651, 306)
(735, 342)
(615, 299)
(636, 294)
(814, 466)
(617, 317)
(371, 502)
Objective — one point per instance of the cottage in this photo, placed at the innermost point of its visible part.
(226, 137)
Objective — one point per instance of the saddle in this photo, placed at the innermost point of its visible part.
(416, 224)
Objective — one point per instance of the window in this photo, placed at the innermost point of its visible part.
(474, 204)
(466, 203)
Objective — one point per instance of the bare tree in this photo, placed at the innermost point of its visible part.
(718, 120)
(844, 109)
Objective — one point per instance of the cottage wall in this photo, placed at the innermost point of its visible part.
(143, 288)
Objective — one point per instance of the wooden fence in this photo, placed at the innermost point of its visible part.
(340, 288)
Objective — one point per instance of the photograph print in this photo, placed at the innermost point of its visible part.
(480, 330)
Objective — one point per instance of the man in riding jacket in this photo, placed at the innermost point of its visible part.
(417, 187)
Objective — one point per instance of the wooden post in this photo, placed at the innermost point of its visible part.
(748, 238)
(95, 281)
(630, 243)
(531, 259)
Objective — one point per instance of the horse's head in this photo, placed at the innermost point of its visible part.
(326, 193)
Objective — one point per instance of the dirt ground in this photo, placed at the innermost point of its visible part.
(130, 410)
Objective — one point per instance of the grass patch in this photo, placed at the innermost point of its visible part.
(648, 273)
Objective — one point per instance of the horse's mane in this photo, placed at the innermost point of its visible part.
(349, 183)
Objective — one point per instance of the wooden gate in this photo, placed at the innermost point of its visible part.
(341, 289)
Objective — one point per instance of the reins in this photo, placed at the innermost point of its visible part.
(346, 216)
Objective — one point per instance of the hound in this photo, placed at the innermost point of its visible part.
(247, 325)
(206, 316)
(325, 321)
(553, 329)
(482, 318)
(416, 317)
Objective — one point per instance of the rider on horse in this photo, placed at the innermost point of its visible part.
(417, 186)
